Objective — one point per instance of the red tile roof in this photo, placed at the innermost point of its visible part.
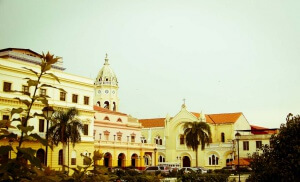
(153, 122)
(220, 118)
(107, 111)
(256, 130)
(210, 118)
(243, 162)
(223, 118)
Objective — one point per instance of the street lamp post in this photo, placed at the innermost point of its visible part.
(155, 150)
(47, 111)
(10, 142)
(237, 137)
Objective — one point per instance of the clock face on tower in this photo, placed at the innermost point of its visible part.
(113, 92)
(99, 91)
(106, 91)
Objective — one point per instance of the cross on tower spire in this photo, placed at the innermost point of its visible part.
(183, 105)
(106, 59)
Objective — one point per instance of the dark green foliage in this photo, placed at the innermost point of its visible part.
(281, 161)
(132, 172)
(211, 177)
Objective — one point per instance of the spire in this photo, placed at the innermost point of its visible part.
(183, 105)
(106, 59)
(202, 116)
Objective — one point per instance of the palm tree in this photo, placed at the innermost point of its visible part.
(66, 126)
(196, 133)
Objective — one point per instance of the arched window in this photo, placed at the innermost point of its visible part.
(119, 120)
(158, 140)
(181, 137)
(213, 160)
(40, 154)
(98, 103)
(143, 139)
(106, 105)
(161, 159)
(146, 161)
(60, 157)
(222, 137)
(106, 118)
(114, 106)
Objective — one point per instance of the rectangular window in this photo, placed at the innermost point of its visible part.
(246, 145)
(62, 96)
(6, 86)
(132, 138)
(86, 129)
(106, 136)
(60, 157)
(258, 144)
(74, 98)
(43, 92)
(5, 117)
(41, 125)
(119, 137)
(73, 161)
(25, 89)
(86, 100)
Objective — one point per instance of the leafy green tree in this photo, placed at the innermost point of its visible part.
(66, 127)
(196, 133)
(16, 169)
(281, 160)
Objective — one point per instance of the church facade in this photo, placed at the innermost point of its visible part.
(168, 134)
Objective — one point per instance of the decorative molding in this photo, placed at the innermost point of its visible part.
(106, 132)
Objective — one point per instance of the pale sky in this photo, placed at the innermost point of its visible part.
(220, 55)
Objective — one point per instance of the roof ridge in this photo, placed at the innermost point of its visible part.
(151, 118)
(227, 113)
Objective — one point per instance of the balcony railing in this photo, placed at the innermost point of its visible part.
(120, 143)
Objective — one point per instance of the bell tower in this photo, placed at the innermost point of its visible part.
(106, 88)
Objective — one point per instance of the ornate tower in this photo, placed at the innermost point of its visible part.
(106, 88)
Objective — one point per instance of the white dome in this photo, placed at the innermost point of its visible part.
(106, 75)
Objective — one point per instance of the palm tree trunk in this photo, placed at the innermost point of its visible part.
(196, 157)
(64, 156)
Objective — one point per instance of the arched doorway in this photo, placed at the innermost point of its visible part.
(134, 158)
(107, 159)
(40, 154)
(186, 162)
(121, 160)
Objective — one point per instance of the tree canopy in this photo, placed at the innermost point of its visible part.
(280, 161)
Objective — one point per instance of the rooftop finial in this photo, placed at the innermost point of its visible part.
(106, 59)
(183, 105)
